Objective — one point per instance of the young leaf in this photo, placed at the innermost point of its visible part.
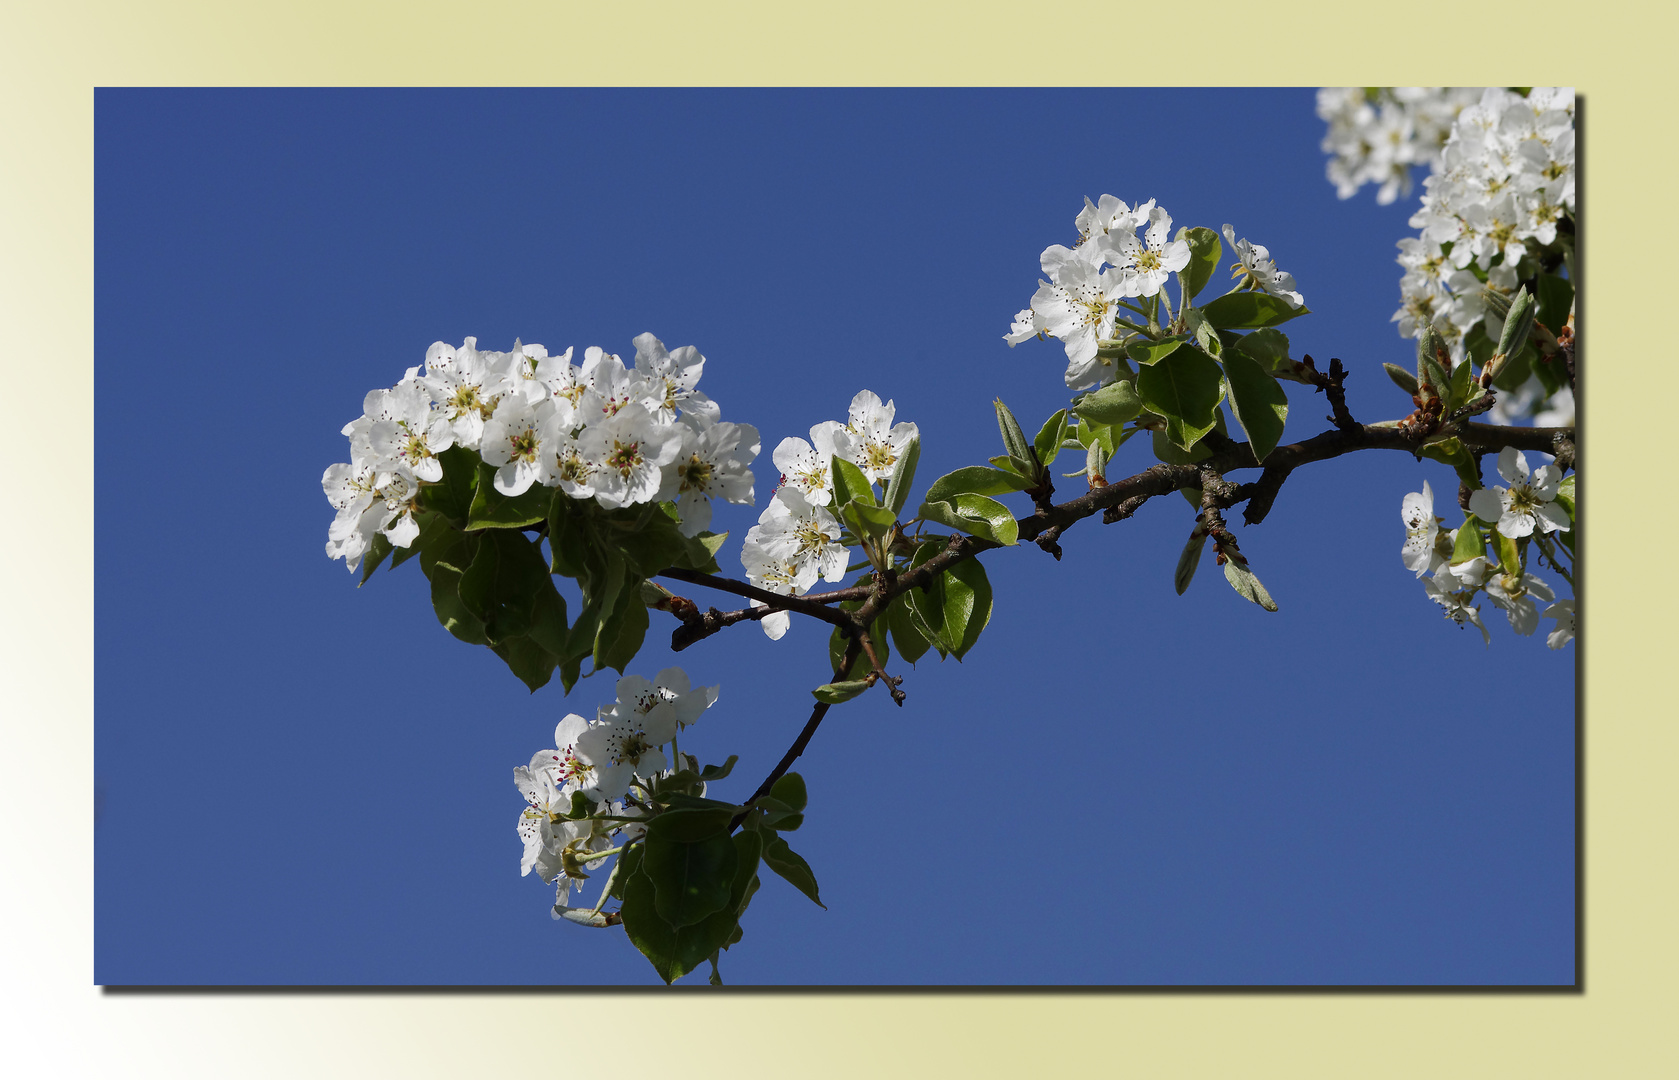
(975, 514)
(903, 476)
(975, 480)
(790, 789)
(1116, 403)
(967, 605)
(1401, 378)
(907, 636)
(1050, 437)
(1244, 582)
(1146, 353)
(849, 483)
(1014, 440)
(690, 880)
(838, 693)
(786, 862)
(1471, 542)
(1189, 559)
(492, 510)
(1205, 250)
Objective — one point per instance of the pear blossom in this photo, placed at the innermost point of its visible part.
(625, 743)
(1456, 606)
(670, 378)
(870, 440)
(1563, 612)
(806, 466)
(1027, 324)
(1528, 503)
(1078, 305)
(1253, 261)
(405, 429)
(629, 450)
(512, 440)
(806, 535)
(669, 689)
(1421, 530)
(1143, 265)
(711, 462)
(1516, 595)
(456, 380)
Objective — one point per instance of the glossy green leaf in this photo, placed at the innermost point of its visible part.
(376, 554)
(690, 826)
(432, 526)
(1260, 405)
(1205, 251)
(1186, 391)
(501, 585)
(864, 520)
(1246, 584)
(1556, 298)
(1147, 353)
(1459, 381)
(985, 518)
(702, 552)
(926, 602)
(786, 862)
(1471, 542)
(1244, 310)
(1014, 440)
(675, 951)
(1203, 332)
(446, 602)
(622, 633)
(903, 476)
(967, 605)
(975, 480)
(650, 539)
(850, 483)
(1049, 438)
(492, 510)
(533, 664)
(907, 636)
(1270, 348)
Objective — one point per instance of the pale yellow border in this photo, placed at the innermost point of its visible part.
(55, 1023)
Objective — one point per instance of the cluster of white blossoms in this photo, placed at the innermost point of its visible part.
(1080, 303)
(603, 760)
(1378, 134)
(619, 435)
(1504, 180)
(1526, 507)
(797, 538)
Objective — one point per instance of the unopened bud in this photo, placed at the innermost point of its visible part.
(1519, 323)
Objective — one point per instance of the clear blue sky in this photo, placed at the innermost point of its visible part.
(303, 782)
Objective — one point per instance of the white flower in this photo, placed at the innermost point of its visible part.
(512, 440)
(1027, 324)
(1253, 261)
(671, 377)
(1421, 529)
(670, 689)
(805, 467)
(1516, 596)
(804, 535)
(712, 462)
(1563, 612)
(1077, 305)
(1528, 502)
(406, 430)
(629, 450)
(1456, 605)
(562, 462)
(873, 442)
(1143, 266)
(455, 378)
(625, 744)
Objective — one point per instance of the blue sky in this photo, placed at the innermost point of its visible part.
(303, 782)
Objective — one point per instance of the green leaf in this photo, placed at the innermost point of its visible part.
(446, 601)
(1014, 440)
(837, 644)
(1431, 354)
(850, 483)
(432, 526)
(691, 826)
(1242, 310)
(1116, 403)
(1270, 348)
(690, 880)
(870, 521)
(702, 552)
(1203, 332)
(452, 496)
(621, 635)
(903, 476)
(1556, 298)
(1471, 541)
(1147, 353)
(533, 664)
(975, 480)
(1205, 250)
(501, 585)
(839, 692)
(1186, 392)
(1401, 378)
(675, 951)
(907, 636)
(1565, 494)
(380, 548)
(1260, 405)
(985, 518)
(1050, 436)
(718, 772)
(650, 540)
(1010, 463)
(492, 510)
(926, 602)
(1519, 323)
(790, 789)
(1244, 582)
(570, 536)
(1189, 559)
(967, 605)
(784, 861)
(1457, 394)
